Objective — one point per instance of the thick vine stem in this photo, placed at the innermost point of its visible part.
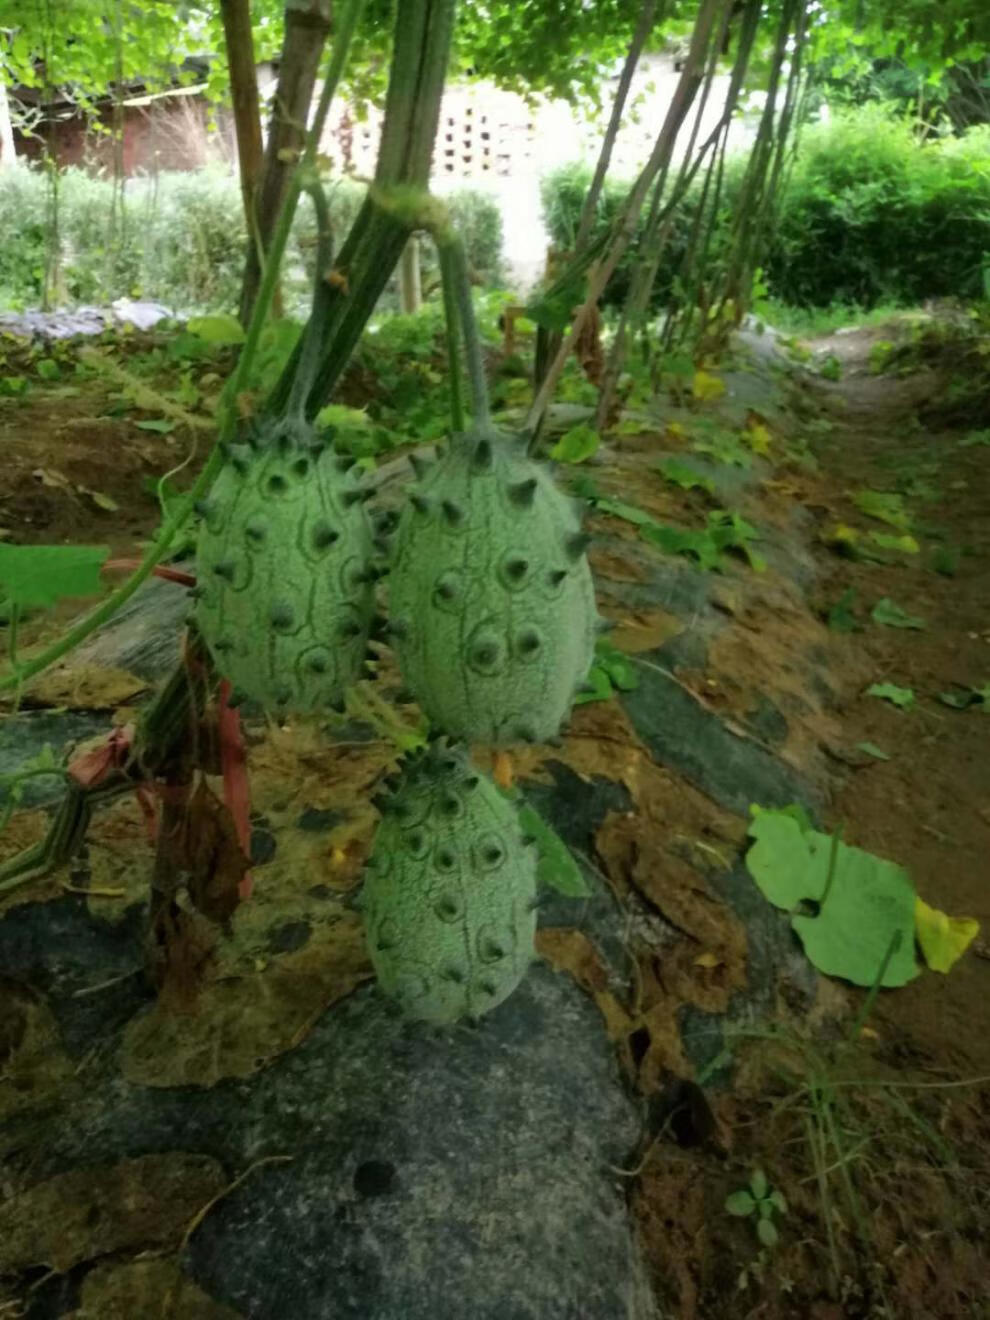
(163, 731)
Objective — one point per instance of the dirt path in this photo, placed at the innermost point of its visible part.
(928, 806)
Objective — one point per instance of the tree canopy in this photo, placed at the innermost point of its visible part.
(532, 46)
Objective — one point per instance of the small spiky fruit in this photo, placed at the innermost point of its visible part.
(449, 898)
(284, 571)
(491, 598)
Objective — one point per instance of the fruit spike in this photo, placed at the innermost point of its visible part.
(483, 456)
(447, 943)
(523, 492)
(452, 512)
(576, 545)
(419, 502)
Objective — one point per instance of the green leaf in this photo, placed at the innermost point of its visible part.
(39, 575)
(758, 1184)
(871, 749)
(13, 386)
(766, 1231)
(576, 445)
(890, 614)
(840, 616)
(793, 809)
(161, 425)
(966, 697)
(598, 679)
(897, 696)
(869, 904)
(740, 1204)
(47, 369)
(885, 506)
(617, 665)
(628, 512)
(681, 541)
(339, 415)
(945, 561)
(907, 545)
(219, 329)
(685, 476)
(557, 868)
(778, 1202)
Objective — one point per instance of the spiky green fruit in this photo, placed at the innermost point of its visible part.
(492, 602)
(283, 565)
(449, 899)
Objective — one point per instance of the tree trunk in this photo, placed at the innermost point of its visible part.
(8, 154)
(307, 25)
(410, 286)
(244, 94)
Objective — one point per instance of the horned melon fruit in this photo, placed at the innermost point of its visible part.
(284, 570)
(492, 604)
(449, 896)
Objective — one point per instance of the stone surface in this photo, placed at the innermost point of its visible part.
(685, 736)
(461, 1172)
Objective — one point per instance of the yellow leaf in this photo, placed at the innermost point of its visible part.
(705, 386)
(708, 960)
(842, 535)
(943, 939)
(676, 428)
(758, 438)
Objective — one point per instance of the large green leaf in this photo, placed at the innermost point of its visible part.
(868, 906)
(39, 575)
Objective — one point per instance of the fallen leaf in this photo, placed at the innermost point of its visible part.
(897, 696)
(100, 500)
(571, 951)
(242, 1023)
(100, 1209)
(705, 386)
(85, 687)
(708, 960)
(127, 1289)
(871, 749)
(208, 849)
(890, 614)
(757, 436)
(54, 480)
(943, 939)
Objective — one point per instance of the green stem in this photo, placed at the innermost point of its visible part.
(453, 349)
(457, 264)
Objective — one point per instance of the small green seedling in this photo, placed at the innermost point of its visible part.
(759, 1200)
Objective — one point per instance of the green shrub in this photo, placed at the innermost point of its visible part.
(869, 214)
(563, 192)
(180, 239)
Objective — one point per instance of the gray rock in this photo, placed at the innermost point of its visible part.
(464, 1173)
